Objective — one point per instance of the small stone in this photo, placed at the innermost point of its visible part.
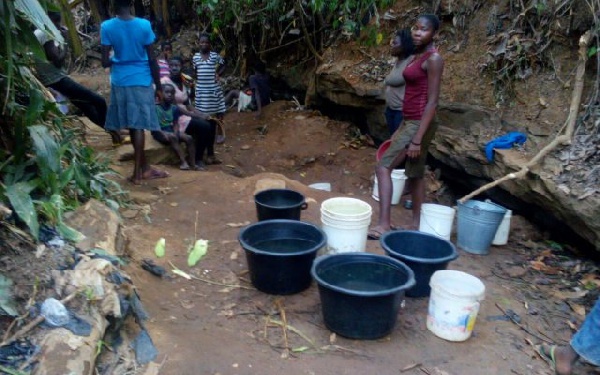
(129, 214)
(245, 147)
(174, 204)
(516, 271)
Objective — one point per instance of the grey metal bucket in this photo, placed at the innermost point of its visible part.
(477, 223)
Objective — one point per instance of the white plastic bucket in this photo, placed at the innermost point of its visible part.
(346, 222)
(325, 186)
(501, 237)
(454, 304)
(398, 181)
(437, 220)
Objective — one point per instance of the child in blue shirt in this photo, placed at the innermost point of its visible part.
(169, 134)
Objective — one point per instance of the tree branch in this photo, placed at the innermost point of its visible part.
(569, 122)
(311, 47)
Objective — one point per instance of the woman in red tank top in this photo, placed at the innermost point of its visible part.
(411, 141)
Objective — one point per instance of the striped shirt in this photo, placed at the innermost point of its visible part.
(209, 94)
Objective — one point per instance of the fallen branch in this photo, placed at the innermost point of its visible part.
(559, 140)
(293, 329)
(35, 322)
(283, 327)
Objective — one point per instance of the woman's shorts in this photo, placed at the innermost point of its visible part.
(415, 168)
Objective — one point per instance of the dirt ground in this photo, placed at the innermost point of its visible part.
(217, 323)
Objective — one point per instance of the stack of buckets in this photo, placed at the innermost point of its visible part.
(346, 222)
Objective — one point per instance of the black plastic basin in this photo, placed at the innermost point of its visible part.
(361, 293)
(279, 204)
(424, 253)
(280, 254)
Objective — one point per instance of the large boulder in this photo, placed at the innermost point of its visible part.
(460, 143)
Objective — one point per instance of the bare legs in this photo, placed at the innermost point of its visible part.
(417, 190)
(565, 357)
(416, 185)
(141, 169)
(138, 141)
(384, 179)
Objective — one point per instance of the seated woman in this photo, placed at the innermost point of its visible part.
(192, 121)
(257, 95)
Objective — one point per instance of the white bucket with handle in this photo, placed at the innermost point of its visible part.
(398, 182)
(437, 220)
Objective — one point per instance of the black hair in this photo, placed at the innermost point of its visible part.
(118, 4)
(260, 67)
(177, 58)
(54, 15)
(164, 44)
(168, 85)
(433, 20)
(408, 47)
(204, 35)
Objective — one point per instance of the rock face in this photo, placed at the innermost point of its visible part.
(460, 143)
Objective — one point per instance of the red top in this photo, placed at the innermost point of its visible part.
(415, 96)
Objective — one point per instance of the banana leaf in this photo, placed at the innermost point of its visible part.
(32, 11)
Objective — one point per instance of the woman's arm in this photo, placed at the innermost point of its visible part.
(106, 61)
(154, 69)
(192, 112)
(435, 67)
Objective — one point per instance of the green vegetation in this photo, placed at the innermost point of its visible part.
(45, 168)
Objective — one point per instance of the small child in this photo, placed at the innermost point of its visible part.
(166, 50)
(169, 134)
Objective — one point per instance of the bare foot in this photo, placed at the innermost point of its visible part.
(152, 174)
(564, 358)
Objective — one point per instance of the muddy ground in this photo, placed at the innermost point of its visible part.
(217, 323)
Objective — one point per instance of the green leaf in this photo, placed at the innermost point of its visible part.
(69, 233)
(7, 303)
(20, 200)
(199, 251)
(47, 156)
(34, 13)
(159, 249)
(592, 51)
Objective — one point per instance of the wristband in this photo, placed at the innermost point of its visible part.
(416, 144)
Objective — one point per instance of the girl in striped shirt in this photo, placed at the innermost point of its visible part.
(208, 66)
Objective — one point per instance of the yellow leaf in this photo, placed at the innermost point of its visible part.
(379, 38)
(182, 274)
(159, 249)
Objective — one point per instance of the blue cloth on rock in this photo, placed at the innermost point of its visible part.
(505, 141)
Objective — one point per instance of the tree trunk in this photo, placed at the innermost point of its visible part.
(74, 40)
(166, 18)
(99, 11)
